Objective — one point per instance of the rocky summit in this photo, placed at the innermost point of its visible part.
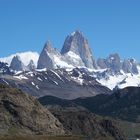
(48, 57)
(75, 53)
(16, 64)
(76, 47)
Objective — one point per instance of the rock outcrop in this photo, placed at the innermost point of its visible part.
(23, 114)
(49, 57)
(130, 66)
(31, 66)
(114, 62)
(79, 121)
(75, 53)
(17, 64)
(76, 47)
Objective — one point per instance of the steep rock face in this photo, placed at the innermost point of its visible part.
(113, 62)
(48, 56)
(22, 114)
(130, 66)
(31, 65)
(16, 64)
(76, 46)
(101, 63)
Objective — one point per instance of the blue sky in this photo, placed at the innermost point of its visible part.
(109, 25)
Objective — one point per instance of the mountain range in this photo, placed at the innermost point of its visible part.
(71, 86)
(74, 64)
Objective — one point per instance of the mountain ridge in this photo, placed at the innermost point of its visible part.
(112, 72)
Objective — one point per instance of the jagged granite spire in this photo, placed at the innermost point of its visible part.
(16, 64)
(101, 63)
(77, 45)
(31, 65)
(114, 62)
(46, 58)
(130, 66)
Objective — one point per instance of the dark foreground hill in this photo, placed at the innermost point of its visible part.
(21, 114)
(122, 104)
(79, 121)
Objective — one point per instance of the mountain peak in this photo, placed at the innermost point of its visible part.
(17, 64)
(49, 57)
(78, 45)
(17, 57)
(76, 33)
(31, 65)
(47, 46)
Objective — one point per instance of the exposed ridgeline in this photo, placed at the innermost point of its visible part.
(75, 53)
(77, 45)
(111, 72)
(18, 65)
(115, 64)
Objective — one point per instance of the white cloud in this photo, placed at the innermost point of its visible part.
(25, 57)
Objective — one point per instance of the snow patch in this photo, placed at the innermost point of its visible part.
(20, 77)
(37, 86)
(30, 73)
(73, 55)
(121, 81)
(41, 70)
(5, 82)
(55, 82)
(56, 75)
(33, 83)
(39, 79)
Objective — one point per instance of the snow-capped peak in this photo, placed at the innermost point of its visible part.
(25, 57)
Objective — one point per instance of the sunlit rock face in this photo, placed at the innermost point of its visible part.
(76, 50)
(47, 57)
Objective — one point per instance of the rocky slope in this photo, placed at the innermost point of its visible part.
(79, 121)
(62, 83)
(22, 114)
